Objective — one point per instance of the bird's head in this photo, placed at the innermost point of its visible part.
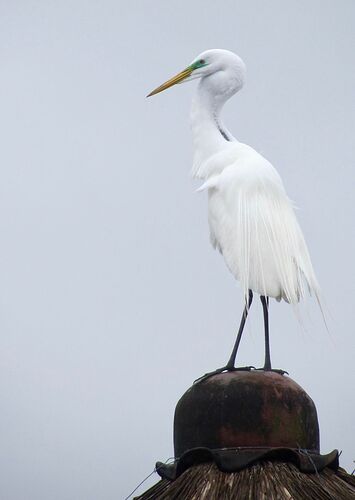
(222, 70)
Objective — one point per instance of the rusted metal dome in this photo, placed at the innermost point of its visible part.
(246, 409)
(249, 434)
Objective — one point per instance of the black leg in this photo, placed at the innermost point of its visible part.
(230, 366)
(231, 362)
(267, 364)
(265, 303)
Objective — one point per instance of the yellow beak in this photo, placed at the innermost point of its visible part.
(174, 80)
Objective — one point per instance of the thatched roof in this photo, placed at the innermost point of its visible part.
(262, 481)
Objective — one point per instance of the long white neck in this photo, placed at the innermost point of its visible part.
(208, 133)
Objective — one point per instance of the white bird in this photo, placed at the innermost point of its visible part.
(252, 221)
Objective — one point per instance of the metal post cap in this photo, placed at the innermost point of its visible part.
(246, 409)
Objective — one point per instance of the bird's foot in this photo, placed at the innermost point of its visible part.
(224, 369)
(275, 370)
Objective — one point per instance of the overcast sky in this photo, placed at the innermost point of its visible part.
(111, 299)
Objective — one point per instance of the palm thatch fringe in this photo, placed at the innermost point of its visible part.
(263, 481)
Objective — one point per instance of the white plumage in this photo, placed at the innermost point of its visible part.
(252, 221)
(253, 225)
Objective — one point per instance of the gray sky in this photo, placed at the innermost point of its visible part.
(111, 299)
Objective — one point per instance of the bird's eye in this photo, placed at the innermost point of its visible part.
(202, 61)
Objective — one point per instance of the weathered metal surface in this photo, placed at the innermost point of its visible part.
(236, 459)
(246, 409)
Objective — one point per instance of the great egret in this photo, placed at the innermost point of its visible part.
(251, 219)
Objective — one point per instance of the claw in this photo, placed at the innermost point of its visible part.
(275, 370)
(222, 370)
(281, 372)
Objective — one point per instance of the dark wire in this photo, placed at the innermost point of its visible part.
(145, 479)
(140, 484)
(305, 452)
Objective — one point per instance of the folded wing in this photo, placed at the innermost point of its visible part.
(253, 224)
